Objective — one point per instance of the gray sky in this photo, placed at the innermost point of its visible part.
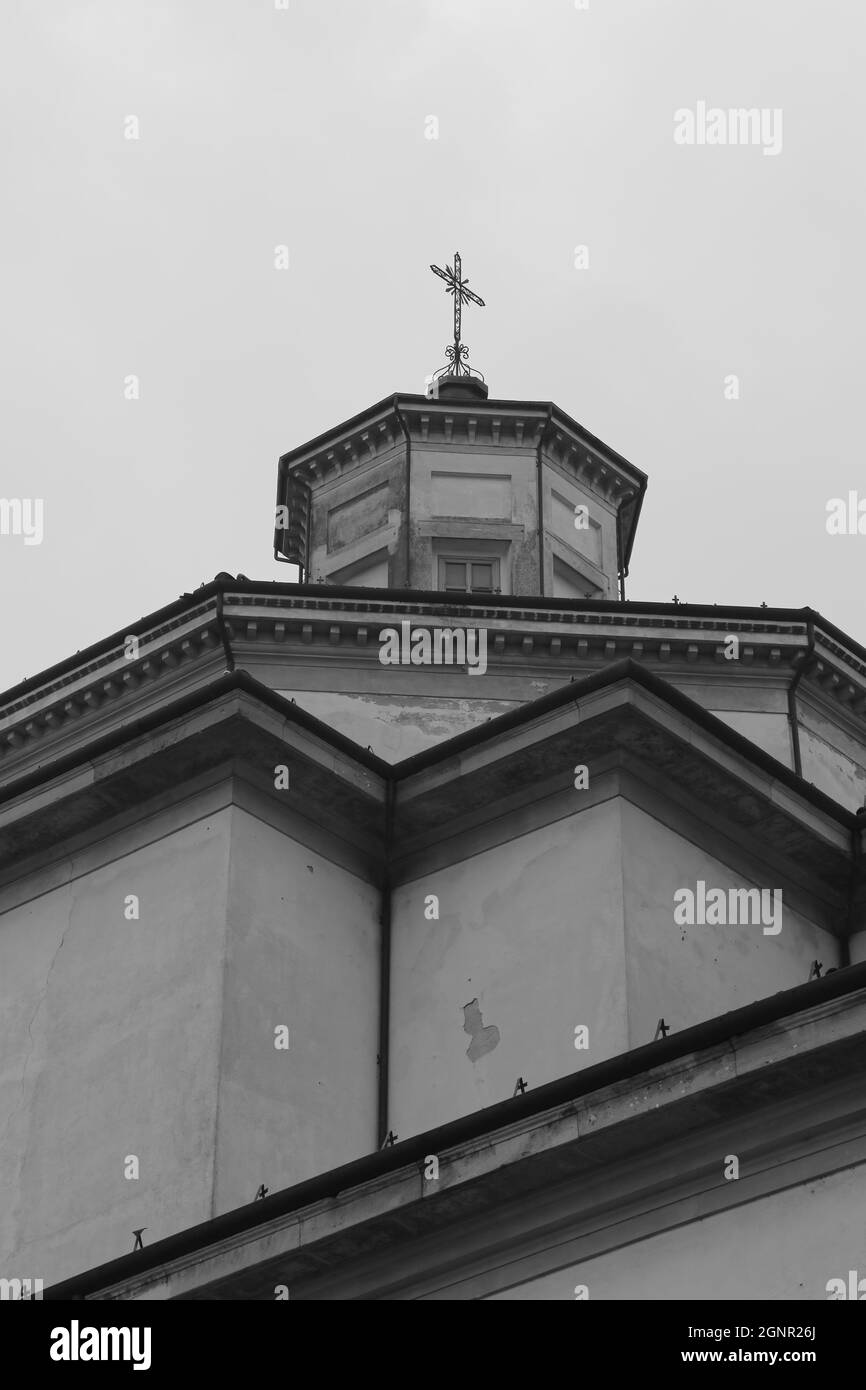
(306, 127)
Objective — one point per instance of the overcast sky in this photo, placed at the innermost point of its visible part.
(306, 127)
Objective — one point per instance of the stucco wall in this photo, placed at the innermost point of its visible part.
(595, 542)
(155, 1037)
(549, 932)
(358, 516)
(784, 1246)
(303, 952)
(771, 732)
(109, 1047)
(832, 759)
(396, 727)
(533, 930)
(857, 947)
(397, 722)
(686, 974)
(515, 522)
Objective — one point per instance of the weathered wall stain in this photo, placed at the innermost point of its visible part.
(483, 1039)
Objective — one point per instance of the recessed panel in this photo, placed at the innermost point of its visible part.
(567, 583)
(369, 573)
(481, 495)
(358, 517)
(584, 536)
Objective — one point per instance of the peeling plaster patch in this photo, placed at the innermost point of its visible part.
(483, 1039)
(440, 719)
(399, 728)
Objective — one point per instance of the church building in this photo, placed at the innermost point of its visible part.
(443, 924)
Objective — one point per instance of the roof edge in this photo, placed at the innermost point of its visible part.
(187, 601)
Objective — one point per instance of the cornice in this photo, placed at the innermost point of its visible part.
(85, 698)
(314, 622)
(373, 437)
(591, 468)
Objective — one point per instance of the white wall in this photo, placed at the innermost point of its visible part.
(533, 929)
(687, 974)
(109, 1047)
(303, 952)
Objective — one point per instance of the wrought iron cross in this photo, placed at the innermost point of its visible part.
(458, 352)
